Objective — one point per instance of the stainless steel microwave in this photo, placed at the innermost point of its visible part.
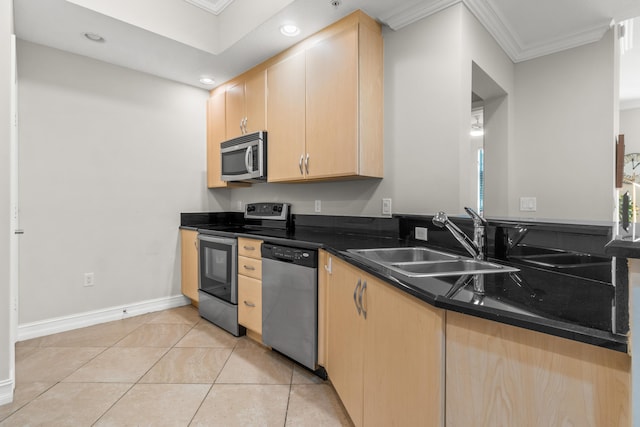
(245, 158)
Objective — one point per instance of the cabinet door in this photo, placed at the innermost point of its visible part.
(235, 111)
(189, 263)
(501, 375)
(286, 118)
(216, 133)
(403, 359)
(332, 106)
(255, 102)
(345, 339)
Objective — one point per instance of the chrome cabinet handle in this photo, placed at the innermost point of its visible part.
(249, 248)
(195, 243)
(306, 164)
(249, 267)
(364, 288)
(244, 124)
(300, 164)
(355, 292)
(241, 128)
(249, 304)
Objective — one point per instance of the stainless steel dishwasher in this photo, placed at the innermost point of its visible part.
(290, 302)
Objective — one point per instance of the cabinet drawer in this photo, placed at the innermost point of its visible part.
(250, 267)
(250, 303)
(249, 247)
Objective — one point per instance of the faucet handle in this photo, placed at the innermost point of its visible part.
(477, 219)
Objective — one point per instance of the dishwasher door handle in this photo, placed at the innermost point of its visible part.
(355, 293)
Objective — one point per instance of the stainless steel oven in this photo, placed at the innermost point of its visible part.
(218, 285)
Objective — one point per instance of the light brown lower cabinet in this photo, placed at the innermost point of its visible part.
(501, 375)
(385, 360)
(189, 264)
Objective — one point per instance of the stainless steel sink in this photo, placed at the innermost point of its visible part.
(425, 262)
(393, 255)
(449, 268)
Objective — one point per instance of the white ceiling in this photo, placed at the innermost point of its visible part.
(178, 40)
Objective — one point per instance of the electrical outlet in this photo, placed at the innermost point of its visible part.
(421, 233)
(528, 204)
(318, 207)
(386, 207)
(89, 280)
(239, 205)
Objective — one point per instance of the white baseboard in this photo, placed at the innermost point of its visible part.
(81, 320)
(6, 392)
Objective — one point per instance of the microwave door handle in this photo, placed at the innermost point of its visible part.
(248, 159)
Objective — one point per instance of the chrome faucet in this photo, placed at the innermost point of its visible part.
(476, 247)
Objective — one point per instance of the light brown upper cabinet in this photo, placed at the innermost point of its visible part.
(246, 104)
(324, 105)
(216, 133)
(286, 113)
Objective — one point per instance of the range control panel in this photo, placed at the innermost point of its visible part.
(267, 210)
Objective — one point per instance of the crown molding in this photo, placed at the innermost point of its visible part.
(212, 6)
(401, 18)
(498, 26)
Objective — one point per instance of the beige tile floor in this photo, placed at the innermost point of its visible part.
(170, 368)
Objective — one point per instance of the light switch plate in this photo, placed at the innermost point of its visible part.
(386, 207)
(318, 206)
(528, 204)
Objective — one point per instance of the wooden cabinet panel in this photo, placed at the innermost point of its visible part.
(250, 267)
(332, 105)
(250, 303)
(345, 339)
(216, 129)
(235, 110)
(501, 375)
(324, 266)
(404, 359)
(246, 104)
(189, 263)
(255, 102)
(388, 366)
(249, 248)
(286, 116)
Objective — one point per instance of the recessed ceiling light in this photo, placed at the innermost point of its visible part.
(205, 80)
(290, 30)
(94, 37)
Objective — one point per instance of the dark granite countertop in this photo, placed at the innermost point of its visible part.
(623, 248)
(554, 303)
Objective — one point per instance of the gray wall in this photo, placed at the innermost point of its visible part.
(6, 29)
(109, 157)
(563, 149)
(630, 127)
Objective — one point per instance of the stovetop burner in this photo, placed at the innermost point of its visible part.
(266, 218)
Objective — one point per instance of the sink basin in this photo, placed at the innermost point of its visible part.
(425, 262)
(565, 260)
(449, 268)
(395, 255)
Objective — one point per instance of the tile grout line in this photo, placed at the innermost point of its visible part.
(214, 381)
(286, 411)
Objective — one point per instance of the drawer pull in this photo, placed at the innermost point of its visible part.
(249, 248)
(249, 304)
(249, 267)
